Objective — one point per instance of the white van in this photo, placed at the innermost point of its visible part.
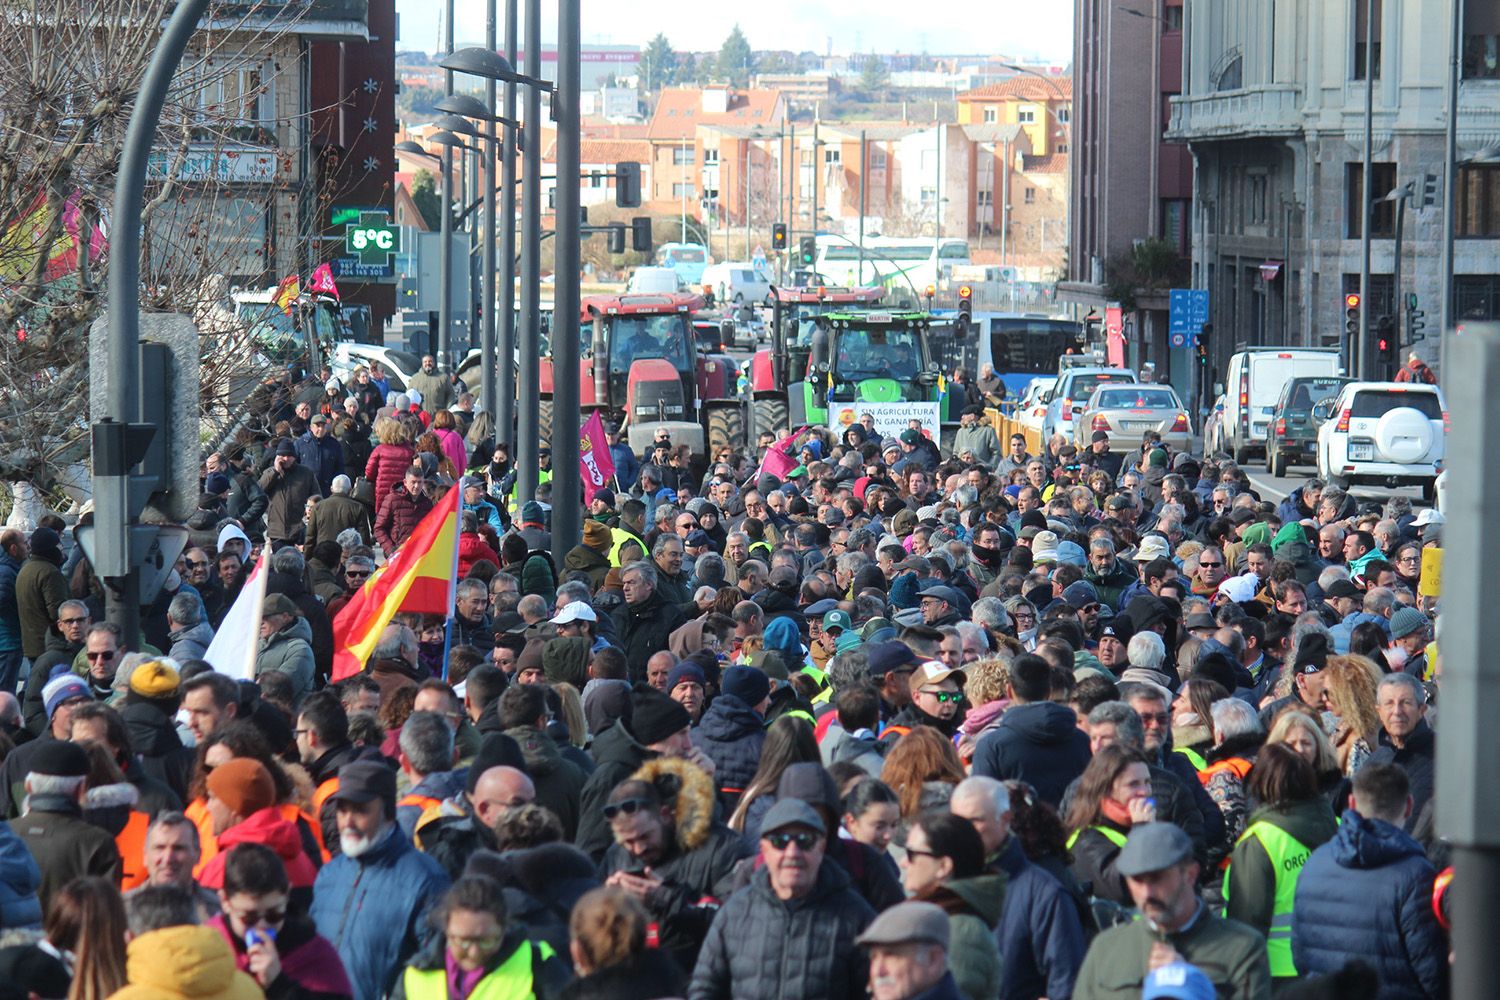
(732, 282)
(1252, 385)
(653, 279)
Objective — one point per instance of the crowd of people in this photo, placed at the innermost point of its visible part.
(907, 722)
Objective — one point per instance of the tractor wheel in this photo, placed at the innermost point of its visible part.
(770, 415)
(544, 422)
(725, 427)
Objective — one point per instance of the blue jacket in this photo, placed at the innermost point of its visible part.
(487, 513)
(439, 785)
(1367, 894)
(324, 457)
(627, 466)
(1039, 934)
(374, 910)
(1038, 742)
(1343, 633)
(10, 612)
(731, 734)
(19, 880)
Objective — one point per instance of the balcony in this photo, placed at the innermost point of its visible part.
(1254, 112)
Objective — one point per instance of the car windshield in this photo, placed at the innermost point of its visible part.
(1137, 398)
(1379, 402)
(1084, 385)
(877, 352)
(635, 337)
(1307, 394)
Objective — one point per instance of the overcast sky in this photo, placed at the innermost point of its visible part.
(1020, 27)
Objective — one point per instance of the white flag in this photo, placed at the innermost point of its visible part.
(237, 642)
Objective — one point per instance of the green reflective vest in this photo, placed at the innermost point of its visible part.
(511, 980)
(1110, 834)
(1287, 855)
(1194, 757)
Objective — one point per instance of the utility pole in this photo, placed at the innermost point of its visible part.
(864, 149)
(937, 194)
(487, 318)
(1450, 185)
(530, 376)
(816, 169)
(504, 413)
(748, 150)
(794, 179)
(1361, 350)
(567, 495)
(445, 252)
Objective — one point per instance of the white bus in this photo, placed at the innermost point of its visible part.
(921, 258)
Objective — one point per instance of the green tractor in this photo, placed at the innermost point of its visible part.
(878, 362)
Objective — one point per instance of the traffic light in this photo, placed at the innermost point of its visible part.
(778, 236)
(965, 301)
(1351, 315)
(640, 233)
(809, 251)
(1386, 347)
(1415, 320)
(617, 237)
(1201, 345)
(628, 184)
(1429, 190)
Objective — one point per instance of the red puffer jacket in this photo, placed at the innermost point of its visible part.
(387, 467)
(400, 513)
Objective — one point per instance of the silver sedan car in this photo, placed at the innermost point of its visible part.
(1125, 412)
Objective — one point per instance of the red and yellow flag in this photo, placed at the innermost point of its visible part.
(420, 576)
(287, 292)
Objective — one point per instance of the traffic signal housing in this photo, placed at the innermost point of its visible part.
(778, 236)
(1351, 316)
(617, 237)
(808, 251)
(628, 184)
(640, 234)
(1416, 320)
(966, 301)
(1386, 347)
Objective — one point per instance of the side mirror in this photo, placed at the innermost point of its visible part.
(726, 331)
(1045, 397)
(1322, 409)
(1218, 388)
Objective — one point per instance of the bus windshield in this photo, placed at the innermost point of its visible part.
(1021, 346)
(877, 352)
(635, 337)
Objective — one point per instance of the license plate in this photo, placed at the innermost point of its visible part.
(1140, 425)
(1362, 452)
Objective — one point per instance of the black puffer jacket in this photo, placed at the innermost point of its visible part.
(559, 782)
(644, 629)
(760, 946)
(731, 734)
(153, 737)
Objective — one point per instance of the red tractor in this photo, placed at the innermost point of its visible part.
(640, 364)
(784, 362)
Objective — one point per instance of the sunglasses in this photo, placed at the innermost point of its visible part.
(272, 916)
(1089, 609)
(73, 621)
(1207, 565)
(106, 655)
(196, 563)
(628, 807)
(782, 840)
(944, 697)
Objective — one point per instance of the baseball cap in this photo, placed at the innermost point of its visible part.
(911, 436)
(1152, 547)
(908, 923)
(366, 781)
(1100, 436)
(1428, 515)
(946, 594)
(1152, 847)
(838, 619)
(1080, 594)
(890, 655)
(791, 812)
(818, 609)
(575, 611)
(1177, 981)
(935, 672)
(1340, 588)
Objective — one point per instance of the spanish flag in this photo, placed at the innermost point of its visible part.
(287, 292)
(421, 576)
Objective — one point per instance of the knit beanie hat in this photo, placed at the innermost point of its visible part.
(61, 688)
(749, 684)
(654, 716)
(244, 785)
(597, 536)
(496, 750)
(687, 670)
(566, 658)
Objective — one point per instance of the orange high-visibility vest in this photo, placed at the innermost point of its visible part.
(131, 842)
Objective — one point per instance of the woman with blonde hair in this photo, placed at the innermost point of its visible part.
(607, 934)
(985, 692)
(1350, 692)
(391, 458)
(86, 923)
(922, 768)
(1302, 732)
(572, 713)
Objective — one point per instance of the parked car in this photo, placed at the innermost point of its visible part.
(1125, 412)
(1074, 386)
(1030, 409)
(1384, 433)
(733, 282)
(1213, 429)
(1293, 436)
(399, 366)
(1253, 381)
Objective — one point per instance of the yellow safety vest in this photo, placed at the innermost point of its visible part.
(1110, 834)
(620, 536)
(510, 981)
(1287, 855)
(1194, 757)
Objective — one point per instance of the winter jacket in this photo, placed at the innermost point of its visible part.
(64, 844)
(289, 651)
(287, 493)
(973, 906)
(1039, 933)
(520, 959)
(471, 549)
(314, 612)
(644, 629)
(1175, 804)
(334, 514)
(153, 737)
(39, 591)
(1111, 585)
(979, 439)
(865, 751)
(1039, 743)
(585, 560)
(1250, 883)
(267, 828)
(387, 467)
(731, 734)
(392, 675)
(400, 513)
(1232, 956)
(453, 447)
(20, 878)
(618, 756)
(559, 782)
(184, 963)
(1417, 759)
(247, 502)
(436, 388)
(323, 457)
(698, 863)
(760, 947)
(190, 643)
(373, 910)
(1342, 634)
(1367, 894)
(1094, 857)
(310, 968)
(486, 513)
(10, 613)
(645, 976)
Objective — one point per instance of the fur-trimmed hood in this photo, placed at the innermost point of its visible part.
(693, 803)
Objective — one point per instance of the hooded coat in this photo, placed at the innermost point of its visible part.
(190, 643)
(585, 560)
(618, 755)
(1037, 742)
(1367, 894)
(310, 968)
(267, 828)
(1290, 545)
(973, 906)
(20, 878)
(559, 782)
(1039, 932)
(40, 590)
(153, 737)
(698, 865)
(290, 651)
(731, 733)
(184, 963)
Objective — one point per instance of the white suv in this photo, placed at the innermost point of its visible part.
(1386, 433)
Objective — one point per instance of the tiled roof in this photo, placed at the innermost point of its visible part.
(1056, 163)
(1026, 88)
(679, 111)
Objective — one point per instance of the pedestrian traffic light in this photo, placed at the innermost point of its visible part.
(617, 237)
(1351, 315)
(1386, 348)
(1429, 190)
(640, 234)
(809, 251)
(778, 236)
(1201, 344)
(628, 184)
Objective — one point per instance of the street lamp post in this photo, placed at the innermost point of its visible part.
(505, 412)
(445, 252)
(567, 521)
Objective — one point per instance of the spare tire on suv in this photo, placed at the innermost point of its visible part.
(1404, 435)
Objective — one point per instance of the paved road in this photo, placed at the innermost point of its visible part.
(1280, 487)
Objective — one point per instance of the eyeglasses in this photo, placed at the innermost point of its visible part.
(1409, 559)
(1022, 616)
(781, 840)
(83, 620)
(108, 654)
(944, 697)
(1089, 609)
(474, 944)
(628, 807)
(273, 915)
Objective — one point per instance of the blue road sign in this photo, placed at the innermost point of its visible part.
(1188, 312)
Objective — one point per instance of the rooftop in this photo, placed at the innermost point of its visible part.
(679, 111)
(1025, 88)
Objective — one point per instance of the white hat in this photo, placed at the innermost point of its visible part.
(1152, 547)
(333, 385)
(1044, 547)
(415, 396)
(1240, 589)
(575, 611)
(1428, 515)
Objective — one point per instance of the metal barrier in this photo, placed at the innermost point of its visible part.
(1006, 425)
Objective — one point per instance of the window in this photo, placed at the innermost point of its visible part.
(1385, 215)
(1062, 147)
(1171, 18)
(1478, 208)
(1481, 40)
(927, 195)
(1064, 115)
(1030, 196)
(1256, 187)
(985, 199)
(710, 157)
(991, 115)
(1476, 296)
(1027, 115)
(597, 179)
(1362, 10)
(683, 156)
(832, 155)
(682, 190)
(877, 159)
